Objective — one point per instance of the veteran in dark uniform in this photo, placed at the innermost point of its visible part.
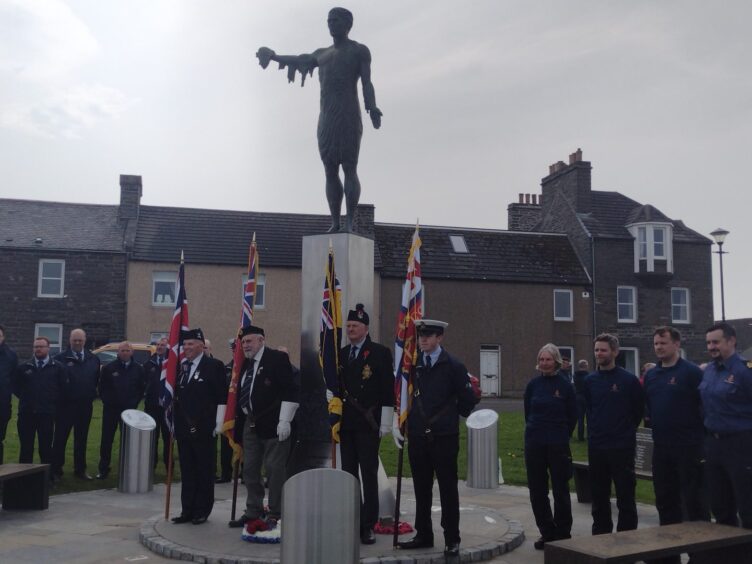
(266, 406)
(75, 413)
(121, 387)
(200, 402)
(726, 392)
(8, 366)
(41, 386)
(441, 394)
(367, 391)
(153, 373)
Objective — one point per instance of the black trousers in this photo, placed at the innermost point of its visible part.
(75, 416)
(157, 412)
(556, 461)
(680, 493)
(361, 450)
(110, 424)
(435, 457)
(225, 458)
(581, 414)
(617, 465)
(33, 426)
(3, 427)
(729, 475)
(197, 474)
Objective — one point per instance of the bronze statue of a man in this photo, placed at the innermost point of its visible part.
(340, 127)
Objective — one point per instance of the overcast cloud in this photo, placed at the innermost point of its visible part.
(478, 99)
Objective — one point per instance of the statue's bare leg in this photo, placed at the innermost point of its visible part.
(352, 194)
(334, 192)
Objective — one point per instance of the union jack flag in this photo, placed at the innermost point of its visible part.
(171, 366)
(405, 346)
(246, 320)
(331, 327)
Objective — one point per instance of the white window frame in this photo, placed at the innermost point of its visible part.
(645, 245)
(570, 317)
(56, 344)
(459, 245)
(260, 282)
(687, 305)
(155, 336)
(636, 352)
(619, 318)
(41, 277)
(163, 276)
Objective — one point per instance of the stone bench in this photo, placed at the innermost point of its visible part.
(643, 466)
(25, 486)
(707, 542)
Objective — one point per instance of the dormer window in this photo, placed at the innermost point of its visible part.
(458, 243)
(652, 243)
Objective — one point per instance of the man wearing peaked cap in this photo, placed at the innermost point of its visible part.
(441, 393)
(200, 400)
(367, 390)
(267, 402)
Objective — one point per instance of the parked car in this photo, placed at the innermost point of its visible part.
(141, 352)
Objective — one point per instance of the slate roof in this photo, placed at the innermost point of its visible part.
(60, 226)
(507, 256)
(222, 236)
(612, 211)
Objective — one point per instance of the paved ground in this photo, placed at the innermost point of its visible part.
(103, 525)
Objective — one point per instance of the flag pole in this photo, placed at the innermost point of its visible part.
(398, 496)
(169, 477)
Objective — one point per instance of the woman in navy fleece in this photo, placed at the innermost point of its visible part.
(550, 418)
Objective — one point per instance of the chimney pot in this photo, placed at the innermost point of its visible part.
(522, 198)
(527, 198)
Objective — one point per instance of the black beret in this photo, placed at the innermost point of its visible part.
(251, 330)
(192, 334)
(358, 314)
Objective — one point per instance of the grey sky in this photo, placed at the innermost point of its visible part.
(478, 99)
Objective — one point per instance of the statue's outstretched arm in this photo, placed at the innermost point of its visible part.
(304, 64)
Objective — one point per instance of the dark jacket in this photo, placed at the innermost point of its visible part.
(615, 405)
(152, 374)
(368, 385)
(273, 385)
(40, 392)
(8, 365)
(122, 387)
(579, 381)
(197, 400)
(550, 410)
(83, 375)
(440, 395)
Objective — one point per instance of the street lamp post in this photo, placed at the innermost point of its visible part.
(719, 235)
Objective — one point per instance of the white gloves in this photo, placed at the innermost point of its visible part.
(386, 424)
(220, 419)
(286, 413)
(329, 395)
(398, 438)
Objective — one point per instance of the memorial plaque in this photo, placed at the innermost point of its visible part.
(644, 450)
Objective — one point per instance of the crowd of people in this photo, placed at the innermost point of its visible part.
(701, 421)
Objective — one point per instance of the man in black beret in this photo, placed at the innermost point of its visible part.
(200, 401)
(267, 402)
(367, 391)
(442, 392)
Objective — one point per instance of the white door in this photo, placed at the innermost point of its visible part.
(490, 379)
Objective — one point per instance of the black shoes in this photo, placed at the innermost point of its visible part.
(83, 476)
(221, 480)
(180, 519)
(416, 542)
(239, 522)
(367, 537)
(199, 520)
(540, 544)
(452, 549)
(102, 475)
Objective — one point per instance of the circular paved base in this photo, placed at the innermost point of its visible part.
(485, 535)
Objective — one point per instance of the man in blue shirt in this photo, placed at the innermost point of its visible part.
(615, 406)
(675, 414)
(726, 392)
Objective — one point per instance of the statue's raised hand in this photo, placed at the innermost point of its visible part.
(264, 55)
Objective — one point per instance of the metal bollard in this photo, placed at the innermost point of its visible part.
(482, 449)
(321, 518)
(138, 433)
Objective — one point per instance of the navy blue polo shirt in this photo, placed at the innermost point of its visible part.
(615, 405)
(726, 392)
(550, 410)
(672, 396)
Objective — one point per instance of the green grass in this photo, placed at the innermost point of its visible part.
(511, 451)
(510, 440)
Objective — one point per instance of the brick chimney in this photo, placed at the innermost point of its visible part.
(571, 180)
(130, 196)
(364, 218)
(525, 214)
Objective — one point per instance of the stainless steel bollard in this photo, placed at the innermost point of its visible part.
(137, 437)
(482, 449)
(321, 518)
